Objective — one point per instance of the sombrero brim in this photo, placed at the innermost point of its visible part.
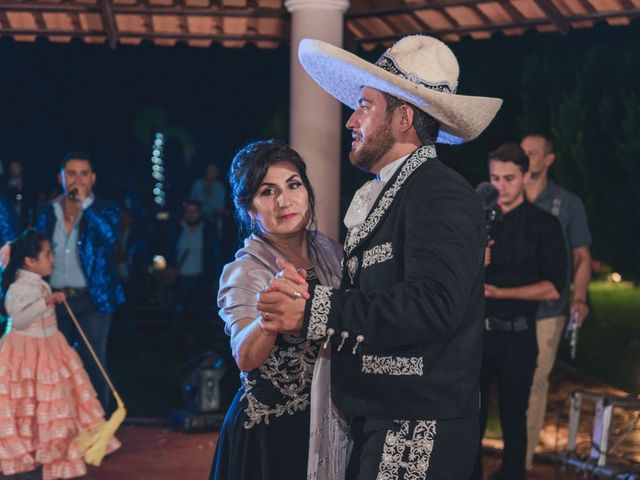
(343, 74)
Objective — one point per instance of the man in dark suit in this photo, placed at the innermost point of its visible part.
(405, 328)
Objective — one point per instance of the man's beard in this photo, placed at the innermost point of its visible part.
(372, 152)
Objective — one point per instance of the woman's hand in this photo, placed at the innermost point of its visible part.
(292, 289)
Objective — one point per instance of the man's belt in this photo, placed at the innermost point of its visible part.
(513, 324)
(71, 291)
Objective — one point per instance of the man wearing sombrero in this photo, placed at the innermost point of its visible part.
(406, 326)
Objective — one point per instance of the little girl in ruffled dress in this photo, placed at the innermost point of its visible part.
(46, 397)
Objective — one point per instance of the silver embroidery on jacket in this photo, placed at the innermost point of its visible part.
(320, 307)
(420, 444)
(289, 370)
(356, 234)
(378, 254)
(391, 365)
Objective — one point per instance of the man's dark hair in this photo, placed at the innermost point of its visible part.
(548, 144)
(426, 126)
(510, 152)
(191, 202)
(76, 155)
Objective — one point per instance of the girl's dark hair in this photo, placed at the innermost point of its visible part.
(27, 244)
(248, 169)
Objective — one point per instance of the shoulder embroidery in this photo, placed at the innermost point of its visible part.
(420, 444)
(356, 234)
(392, 365)
(377, 254)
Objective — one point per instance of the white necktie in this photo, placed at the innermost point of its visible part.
(362, 203)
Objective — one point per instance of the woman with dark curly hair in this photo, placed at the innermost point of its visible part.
(266, 431)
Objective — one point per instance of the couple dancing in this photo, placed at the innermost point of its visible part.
(361, 361)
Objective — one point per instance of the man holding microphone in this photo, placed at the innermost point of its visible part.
(83, 230)
(525, 265)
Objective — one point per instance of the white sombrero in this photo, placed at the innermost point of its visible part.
(418, 69)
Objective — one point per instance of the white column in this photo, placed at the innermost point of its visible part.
(314, 115)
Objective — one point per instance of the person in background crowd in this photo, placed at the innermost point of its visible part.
(131, 259)
(20, 193)
(8, 221)
(211, 193)
(83, 231)
(526, 264)
(551, 316)
(193, 259)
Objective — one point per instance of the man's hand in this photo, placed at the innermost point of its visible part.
(487, 253)
(491, 291)
(280, 312)
(580, 309)
(282, 303)
(290, 281)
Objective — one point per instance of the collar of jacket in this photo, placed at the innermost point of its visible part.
(358, 234)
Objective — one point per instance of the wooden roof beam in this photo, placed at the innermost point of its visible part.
(555, 15)
(529, 23)
(108, 20)
(147, 35)
(143, 10)
(438, 5)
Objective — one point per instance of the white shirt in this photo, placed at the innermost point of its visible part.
(25, 300)
(366, 196)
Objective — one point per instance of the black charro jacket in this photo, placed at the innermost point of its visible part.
(411, 300)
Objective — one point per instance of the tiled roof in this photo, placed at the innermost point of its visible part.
(265, 23)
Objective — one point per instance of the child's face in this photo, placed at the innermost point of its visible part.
(43, 263)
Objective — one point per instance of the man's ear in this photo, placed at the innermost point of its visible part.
(405, 113)
(549, 159)
(60, 179)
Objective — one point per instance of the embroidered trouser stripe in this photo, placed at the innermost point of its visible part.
(407, 451)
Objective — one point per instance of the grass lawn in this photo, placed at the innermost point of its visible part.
(609, 342)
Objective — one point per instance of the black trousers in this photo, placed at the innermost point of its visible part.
(96, 326)
(412, 449)
(192, 296)
(511, 358)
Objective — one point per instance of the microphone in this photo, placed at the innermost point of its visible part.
(72, 194)
(492, 214)
(488, 194)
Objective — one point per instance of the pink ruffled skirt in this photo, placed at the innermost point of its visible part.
(46, 399)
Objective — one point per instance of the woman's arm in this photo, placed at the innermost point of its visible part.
(250, 344)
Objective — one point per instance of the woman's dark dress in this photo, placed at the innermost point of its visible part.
(265, 435)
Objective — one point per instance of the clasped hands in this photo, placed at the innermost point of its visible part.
(282, 302)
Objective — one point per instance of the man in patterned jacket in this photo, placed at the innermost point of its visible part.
(405, 327)
(83, 231)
